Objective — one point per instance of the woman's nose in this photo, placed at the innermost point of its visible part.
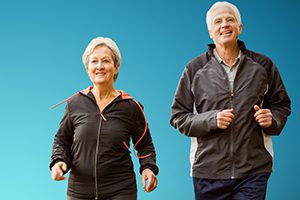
(99, 65)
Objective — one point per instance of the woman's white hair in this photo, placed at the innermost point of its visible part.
(218, 5)
(105, 41)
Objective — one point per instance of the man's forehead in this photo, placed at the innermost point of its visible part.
(223, 12)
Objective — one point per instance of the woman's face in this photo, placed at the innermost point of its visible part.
(101, 67)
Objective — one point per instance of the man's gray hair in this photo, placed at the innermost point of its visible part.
(99, 41)
(218, 5)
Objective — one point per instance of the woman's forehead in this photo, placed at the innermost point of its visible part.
(101, 50)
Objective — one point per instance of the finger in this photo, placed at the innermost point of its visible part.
(228, 110)
(230, 117)
(224, 123)
(64, 167)
(265, 120)
(59, 174)
(144, 178)
(56, 176)
(53, 174)
(263, 116)
(155, 184)
(256, 108)
(263, 112)
(227, 114)
(266, 112)
(222, 126)
(258, 113)
(58, 170)
(226, 117)
(265, 124)
(151, 184)
(59, 178)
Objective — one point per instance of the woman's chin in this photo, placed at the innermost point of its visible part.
(101, 81)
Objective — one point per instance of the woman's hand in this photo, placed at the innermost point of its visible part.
(57, 171)
(147, 174)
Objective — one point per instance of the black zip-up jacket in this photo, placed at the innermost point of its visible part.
(244, 148)
(94, 144)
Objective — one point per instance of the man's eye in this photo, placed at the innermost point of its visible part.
(93, 61)
(217, 21)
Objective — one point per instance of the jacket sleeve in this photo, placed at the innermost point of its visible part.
(144, 144)
(277, 100)
(63, 141)
(183, 114)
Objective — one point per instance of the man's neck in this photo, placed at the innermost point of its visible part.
(228, 53)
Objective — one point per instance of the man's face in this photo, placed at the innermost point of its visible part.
(225, 28)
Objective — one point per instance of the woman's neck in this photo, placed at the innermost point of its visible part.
(102, 92)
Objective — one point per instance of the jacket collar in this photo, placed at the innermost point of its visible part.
(211, 47)
(123, 94)
(87, 92)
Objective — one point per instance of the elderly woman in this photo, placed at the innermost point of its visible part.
(94, 134)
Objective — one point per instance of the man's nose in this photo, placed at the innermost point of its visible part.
(224, 24)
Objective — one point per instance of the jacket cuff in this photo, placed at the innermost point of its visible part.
(53, 162)
(273, 129)
(153, 168)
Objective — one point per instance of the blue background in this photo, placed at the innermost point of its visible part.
(41, 45)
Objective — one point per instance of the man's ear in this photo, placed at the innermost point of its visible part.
(210, 34)
(240, 29)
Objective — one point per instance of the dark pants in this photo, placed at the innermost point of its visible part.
(115, 197)
(252, 187)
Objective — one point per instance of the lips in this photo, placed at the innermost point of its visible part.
(100, 73)
(226, 33)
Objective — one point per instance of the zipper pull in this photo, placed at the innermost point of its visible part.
(102, 116)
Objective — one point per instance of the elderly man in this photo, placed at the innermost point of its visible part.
(230, 100)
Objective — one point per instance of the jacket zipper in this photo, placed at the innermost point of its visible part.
(96, 156)
(231, 139)
(231, 126)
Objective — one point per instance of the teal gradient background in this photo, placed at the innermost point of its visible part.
(41, 45)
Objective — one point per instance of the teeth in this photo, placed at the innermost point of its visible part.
(226, 33)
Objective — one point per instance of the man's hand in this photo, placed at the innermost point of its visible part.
(147, 174)
(263, 116)
(224, 118)
(57, 171)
